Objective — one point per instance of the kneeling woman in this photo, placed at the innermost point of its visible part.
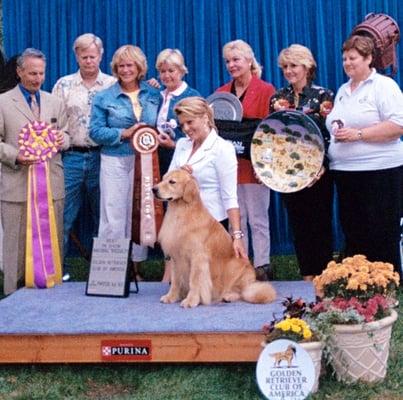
(212, 161)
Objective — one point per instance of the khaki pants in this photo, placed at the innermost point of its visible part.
(14, 220)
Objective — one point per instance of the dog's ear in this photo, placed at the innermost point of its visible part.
(190, 191)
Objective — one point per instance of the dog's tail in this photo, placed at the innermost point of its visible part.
(259, 292)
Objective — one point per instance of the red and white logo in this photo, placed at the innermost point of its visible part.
(126, 350)
(106, 351)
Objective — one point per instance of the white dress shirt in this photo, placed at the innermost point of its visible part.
(214, 166)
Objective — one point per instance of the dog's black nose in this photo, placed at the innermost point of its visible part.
(155, 190)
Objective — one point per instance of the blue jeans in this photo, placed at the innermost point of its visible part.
(81, 179)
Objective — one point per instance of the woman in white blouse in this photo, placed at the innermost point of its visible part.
(212, 161)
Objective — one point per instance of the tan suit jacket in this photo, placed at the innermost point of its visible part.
(14, 114)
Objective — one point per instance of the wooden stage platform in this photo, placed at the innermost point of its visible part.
(62, 325)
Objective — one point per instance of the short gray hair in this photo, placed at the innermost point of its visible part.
(171, 57)
(30, 52)
(86, 40)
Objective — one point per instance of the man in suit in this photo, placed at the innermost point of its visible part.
(19, 106)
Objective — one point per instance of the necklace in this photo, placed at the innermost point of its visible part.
(296, 100)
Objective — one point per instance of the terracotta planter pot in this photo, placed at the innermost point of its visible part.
(361, 352)
(314, 349)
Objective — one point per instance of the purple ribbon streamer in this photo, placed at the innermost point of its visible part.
(41, 236)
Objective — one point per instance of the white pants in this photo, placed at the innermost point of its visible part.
(116, 203)
(254, 202)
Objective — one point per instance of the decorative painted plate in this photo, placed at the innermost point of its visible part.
(226, 106)
(287, 151)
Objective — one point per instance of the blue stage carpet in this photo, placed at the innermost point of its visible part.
(66, 309)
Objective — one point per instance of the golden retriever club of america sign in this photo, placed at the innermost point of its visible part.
(285, 371)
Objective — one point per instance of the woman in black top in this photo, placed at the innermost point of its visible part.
(309, 210)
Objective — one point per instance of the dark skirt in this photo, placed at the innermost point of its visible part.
(310, 217)
(370, 205)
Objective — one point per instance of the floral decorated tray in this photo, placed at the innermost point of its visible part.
(287, 151)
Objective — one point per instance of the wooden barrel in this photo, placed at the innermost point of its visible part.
(385, 33)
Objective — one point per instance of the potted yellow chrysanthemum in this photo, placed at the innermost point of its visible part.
(293, 327)
(355, 313)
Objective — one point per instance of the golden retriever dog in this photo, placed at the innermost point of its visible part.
(204, 266)
(286, 355)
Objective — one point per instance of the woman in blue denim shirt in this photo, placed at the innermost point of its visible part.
(116, 113)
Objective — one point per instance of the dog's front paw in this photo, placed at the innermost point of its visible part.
(189, 302)
(168, 299)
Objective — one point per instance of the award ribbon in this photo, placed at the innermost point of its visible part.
(37, 141)
(145, 143)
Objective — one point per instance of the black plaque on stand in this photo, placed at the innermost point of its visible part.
(109, 269)
(240, 133)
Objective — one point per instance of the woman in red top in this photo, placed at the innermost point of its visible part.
(253, 197)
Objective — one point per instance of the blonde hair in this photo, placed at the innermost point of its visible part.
(86, 40)
(133, 53)
(195, 107)
(246, 51)
(171, 57)
(298, 55)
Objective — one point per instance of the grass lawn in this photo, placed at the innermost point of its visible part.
(180, 381)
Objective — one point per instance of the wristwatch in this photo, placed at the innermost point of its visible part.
(237, 235)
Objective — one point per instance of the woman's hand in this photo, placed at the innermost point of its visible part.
(348, 135)
(381, 132)
(166, 140)
(154, 83)
(317, 176)
(128, 132)
(234, 218)
(188, 168)
(239, 248)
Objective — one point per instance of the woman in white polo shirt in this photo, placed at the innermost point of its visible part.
(366, 155)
